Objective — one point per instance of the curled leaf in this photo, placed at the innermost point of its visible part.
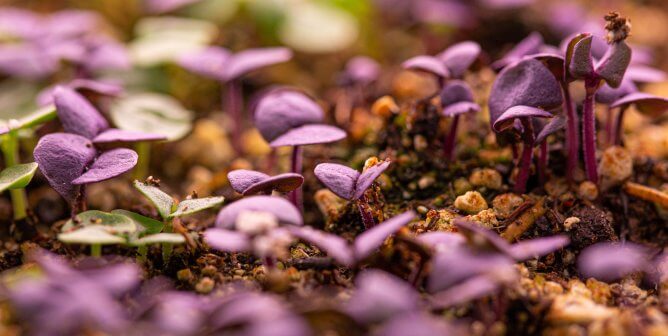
(18, 176)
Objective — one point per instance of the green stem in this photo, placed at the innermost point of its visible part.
(144, 152)
(96, 250)
(10, 152)
(142, 254)
(167, 247)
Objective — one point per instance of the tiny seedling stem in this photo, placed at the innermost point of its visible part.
(233, 105)
(167, 247)
(527, 155)
(10, 152)
(589, 131)
(142, 254)
(572, 134)
(450, 139)
(296, 167)
(143, 149)
(96, 250)
(616, 135)
(366, 213)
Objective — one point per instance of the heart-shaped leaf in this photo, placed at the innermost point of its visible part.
(284, 183)
(113, 223)
(459, 57)
(338, 178)
(252, 59)
(242, 179)
(279, 111)
(159, 238)
(144, 224)
(191, 206)
(95, 234)
(284, 211)
(162, 202)
(110, 164)
(309, 135)
(426, 63)
(370, 240)
(77, 114)
(17, 176)
(368, 176)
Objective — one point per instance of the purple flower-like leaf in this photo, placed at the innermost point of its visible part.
(459, 57)
(346, 182)
(109, 164)
(284, 211)
(507, 119)
(471, 289)
(369, 240)
(208, 62)
(644, 74)
(335, 246)
(115, 135)
(362, 70)
(62, 158)
(309, 135)
(426, 63)
(537, 247)
(528, 46)
(456, 266)
(105, 54)
(608, 95)
(227, 240)
(611, 261)
(457, 98)
(252, 59)
(614, 63)
(45, 97)
(77, 115)
(370, 303)
(249, 182)
(579, 61)
(647, 104)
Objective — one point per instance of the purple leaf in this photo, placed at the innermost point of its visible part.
(62, 157)
(460, 108)
(283, 109)
(454, 266)
(474, 288)
(340, 179)
(427, 64)
(109, 164)
(528, 46)
(644, 74)
(440, 239)
(209, 62)
(579, 61)
(506, 120)
(480, 235)
(607, 95)
(370, 240)
(614, 63)
(107, 55)
(284, 211)
(252, 59)
(242, 179)
(554, 63)
(362, 69)
(164, 6)
(459, 57)
(227, 240)
(115, 135)
(528, 83)
(647, 104)
(380, 296)
(611, 261)
(456, 91)
(77, 115)
(368, 176)
(552, 126)
(71, 22)
(45, 97)
(416, 324)
(333, 245)
(309, 135)
(26, 61)
(283, 183)
(538, 247)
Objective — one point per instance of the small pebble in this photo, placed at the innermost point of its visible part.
(385, 106)
(471, 202)
(462, 185)
(185, 275)
(205, 285)
(486, 177)
(588, 190)
(615, 167)
(570, 222)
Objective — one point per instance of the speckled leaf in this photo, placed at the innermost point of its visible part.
(111, 222)
(460, 108)
(647, 104)
(309, 135)
(162, 202)
(284, 183)
(242, 179)
(17, 176)
(62, 157)
(614, 63)
(284, 211)
(554, 125)
(578, 56)
(278, 111)
(115, 135)
(368, 176)
(459, 57)
(191, 206)
(90, 235)
(370, 240)
(227, 240)
(252, 59)
(506, 120)
(159, 238)
(77, 114)
(427, 64)
(333, 245)
(143, 223)
(108, 165)
(338, 178)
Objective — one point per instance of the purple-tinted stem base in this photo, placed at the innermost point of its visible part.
(589, 131)
(449, 141)
(366, 213)
(527, 156)
(233, 104)
(572, 134)
(616, 134)
(296, 167)
(543, 158)
(79, 205)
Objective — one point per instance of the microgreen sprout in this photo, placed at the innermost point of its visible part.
(456, 99)
(250, 182)
(351, 185)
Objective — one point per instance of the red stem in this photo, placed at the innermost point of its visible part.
(616, 137)
(572, 134)
(449, 141)
(366, 213)
(296, 167)
(543, 158)
(527, 156)
(589, 131)
(233, 104)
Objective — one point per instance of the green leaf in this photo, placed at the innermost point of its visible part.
(152, 113)
(190, 206)
(38, 117)
(163, 202)
(144, 224)
(17, 176)
(159, 238)
(111, 223)
(94, 234)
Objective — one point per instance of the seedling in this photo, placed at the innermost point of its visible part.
(456, 100)
(96, 228)
(359, 74)
(287, 117)
(170, 210)
(228, 68)
(256, 224)
(522, 92)
(351, 255)
(250, 182)
(370, 303)
(610, 68)
(611, 261)
(16, 176)
(351, 185)
(647, 104)
(70, 160)
(103, 88)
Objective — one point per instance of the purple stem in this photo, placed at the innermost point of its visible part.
(572, 134)
(609, 125)
(296, 167)
(449, 141)
(616, 135)
(543, 157)
(233, 104)
(366, 213)
(527, 156)
(589, 130)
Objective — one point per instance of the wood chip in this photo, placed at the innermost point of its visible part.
(646, 193)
